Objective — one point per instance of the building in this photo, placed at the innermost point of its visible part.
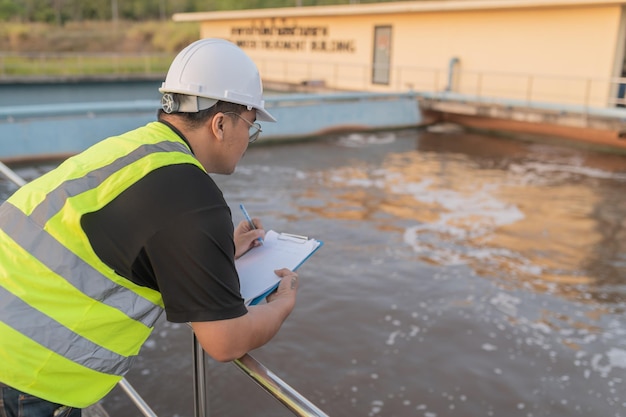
(552, 51)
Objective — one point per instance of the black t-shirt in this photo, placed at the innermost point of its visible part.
(172, 231)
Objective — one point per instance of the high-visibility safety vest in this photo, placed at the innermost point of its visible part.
(69, 325)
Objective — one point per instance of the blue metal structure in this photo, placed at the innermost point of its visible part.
(56, 130)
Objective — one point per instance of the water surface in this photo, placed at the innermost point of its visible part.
(462, 274)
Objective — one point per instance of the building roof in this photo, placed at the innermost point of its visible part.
(387, 8)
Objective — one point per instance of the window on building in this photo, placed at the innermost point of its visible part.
(382, 55)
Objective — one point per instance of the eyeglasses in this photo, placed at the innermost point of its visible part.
(254, 130)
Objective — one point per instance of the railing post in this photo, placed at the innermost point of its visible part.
(201, 403)
(529, 90)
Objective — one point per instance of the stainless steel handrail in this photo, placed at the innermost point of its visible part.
(136, 398)
(11, 175)
(265, 378)
(277, 388)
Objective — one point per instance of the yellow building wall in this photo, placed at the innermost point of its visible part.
(337, 50)
(558, 54)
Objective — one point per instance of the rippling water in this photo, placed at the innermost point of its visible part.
(462, 275)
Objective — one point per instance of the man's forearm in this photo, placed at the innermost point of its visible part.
(226, 340)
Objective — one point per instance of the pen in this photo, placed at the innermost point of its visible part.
(249, 219)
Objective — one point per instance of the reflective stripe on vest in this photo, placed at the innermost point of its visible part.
(65, 342)
(38, 235)
(57, 257)
(55, 199)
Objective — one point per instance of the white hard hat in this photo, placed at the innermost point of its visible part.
(209, 70)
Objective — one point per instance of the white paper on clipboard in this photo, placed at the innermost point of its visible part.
(279, 250)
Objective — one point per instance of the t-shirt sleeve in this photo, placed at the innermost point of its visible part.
(193, 263)
(172, 231)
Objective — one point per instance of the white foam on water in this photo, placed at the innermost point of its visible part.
(391, 340)
(462, 216)
(256, 170)
(541, 170)
(489, 347)
(605, 363)
(354, 140)
(506, 303)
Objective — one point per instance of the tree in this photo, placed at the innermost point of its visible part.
(59, 11)
(10, 10)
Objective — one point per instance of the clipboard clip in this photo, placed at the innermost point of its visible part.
(293, 238)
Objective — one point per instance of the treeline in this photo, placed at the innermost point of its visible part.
(61, 11)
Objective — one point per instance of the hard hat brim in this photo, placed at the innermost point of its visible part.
(263, 115)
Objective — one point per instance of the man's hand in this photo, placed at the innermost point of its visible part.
(287, 289)
(226, 340)
(246, 237)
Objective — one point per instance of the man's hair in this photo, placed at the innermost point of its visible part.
(194, 120)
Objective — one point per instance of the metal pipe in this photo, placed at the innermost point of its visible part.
(11, 175)
(136, 398)
(454, 61)
(277, 388)
(200, 399)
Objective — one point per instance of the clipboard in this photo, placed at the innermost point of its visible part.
(279, 250)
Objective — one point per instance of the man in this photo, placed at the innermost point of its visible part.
(92, 252)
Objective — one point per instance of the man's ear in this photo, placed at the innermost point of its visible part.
(217, 125)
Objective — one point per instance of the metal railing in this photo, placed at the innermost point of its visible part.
(527, 87)
(265, 378)
(524, 87)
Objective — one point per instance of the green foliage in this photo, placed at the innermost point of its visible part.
(9, 9)
(87, 37)
(62, 11)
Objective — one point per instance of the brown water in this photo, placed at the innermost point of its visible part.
(462, 275)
